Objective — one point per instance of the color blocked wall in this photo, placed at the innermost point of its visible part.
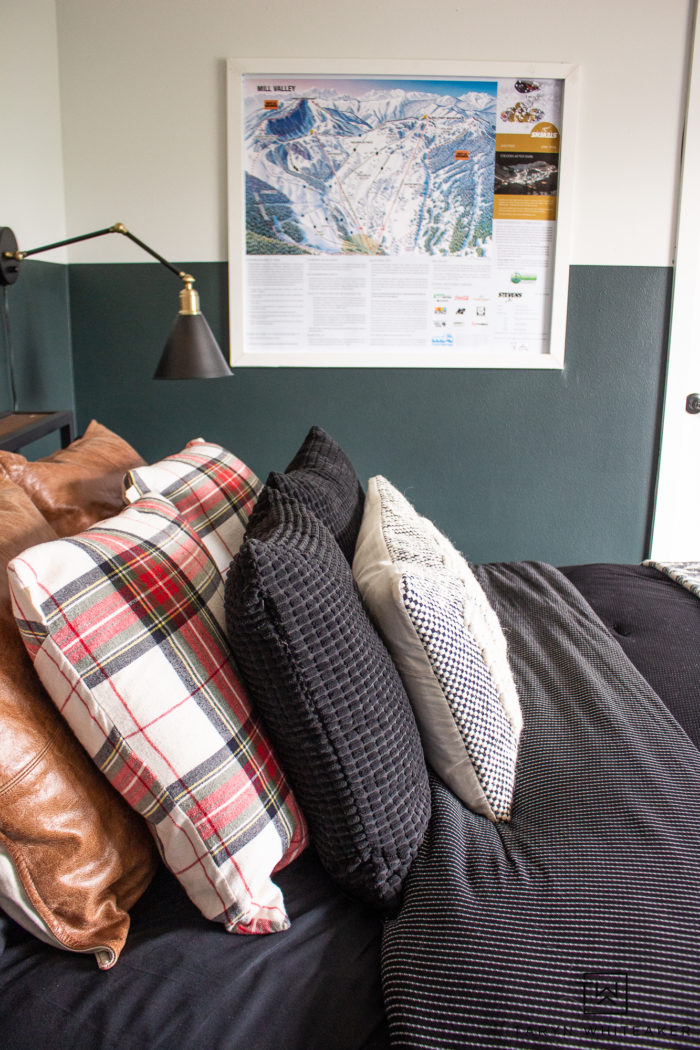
(39, 338)
(36, 324)
(143, 104)
(128, 122)
(557, 466)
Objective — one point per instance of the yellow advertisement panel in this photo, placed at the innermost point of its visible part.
(543, 137)
(520, 207)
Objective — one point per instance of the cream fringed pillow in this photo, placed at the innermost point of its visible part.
(447, 645)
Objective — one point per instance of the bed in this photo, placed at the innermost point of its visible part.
(571, 919)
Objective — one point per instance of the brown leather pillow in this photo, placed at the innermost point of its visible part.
(79, 485)
(73, 856)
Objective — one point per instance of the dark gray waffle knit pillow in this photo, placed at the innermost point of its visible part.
(333, 703)
(322, 478)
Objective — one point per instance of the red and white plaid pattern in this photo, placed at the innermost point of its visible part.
(125, 626)
(213, 490)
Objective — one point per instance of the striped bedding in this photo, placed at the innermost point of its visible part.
(578, 923)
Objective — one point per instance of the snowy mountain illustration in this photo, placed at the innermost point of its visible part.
(386, 172)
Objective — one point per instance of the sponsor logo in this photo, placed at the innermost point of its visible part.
(544, 130)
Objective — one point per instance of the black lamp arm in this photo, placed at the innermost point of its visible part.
(118, 227)
(19, 255)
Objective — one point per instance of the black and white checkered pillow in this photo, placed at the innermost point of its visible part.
(448, 646)
(437, 614)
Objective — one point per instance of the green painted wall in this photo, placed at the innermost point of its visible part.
(36, 326)
(37, 309)
(542, 464)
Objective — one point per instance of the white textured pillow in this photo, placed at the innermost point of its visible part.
(448, 646)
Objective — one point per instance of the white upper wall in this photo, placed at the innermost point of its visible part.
(31, 174)
(143, 104)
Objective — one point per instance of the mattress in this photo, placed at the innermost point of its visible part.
(657, 624)
(182, 982)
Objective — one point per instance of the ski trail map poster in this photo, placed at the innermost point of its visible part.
(399, 220)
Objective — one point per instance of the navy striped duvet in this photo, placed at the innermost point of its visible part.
(578, 923)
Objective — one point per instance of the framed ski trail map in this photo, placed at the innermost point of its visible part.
(394, 214)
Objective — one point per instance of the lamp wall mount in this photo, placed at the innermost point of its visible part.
(9, 263)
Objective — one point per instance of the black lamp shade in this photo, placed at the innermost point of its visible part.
(191, 351)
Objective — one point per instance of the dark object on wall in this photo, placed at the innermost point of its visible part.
(9, 265)
(191, 351)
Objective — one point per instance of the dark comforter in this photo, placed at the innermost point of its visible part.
(577, 924)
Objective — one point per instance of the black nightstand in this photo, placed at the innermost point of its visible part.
(21, 428)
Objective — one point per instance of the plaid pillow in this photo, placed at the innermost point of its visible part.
(448, 646)
(213, 490)
(124, 624)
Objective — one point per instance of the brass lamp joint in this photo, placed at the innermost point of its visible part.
(189, 299)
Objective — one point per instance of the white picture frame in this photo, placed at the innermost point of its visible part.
(250, 275)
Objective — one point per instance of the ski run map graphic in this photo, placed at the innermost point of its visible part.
(398, 217)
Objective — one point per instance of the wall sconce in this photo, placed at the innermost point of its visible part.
(191, 351)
